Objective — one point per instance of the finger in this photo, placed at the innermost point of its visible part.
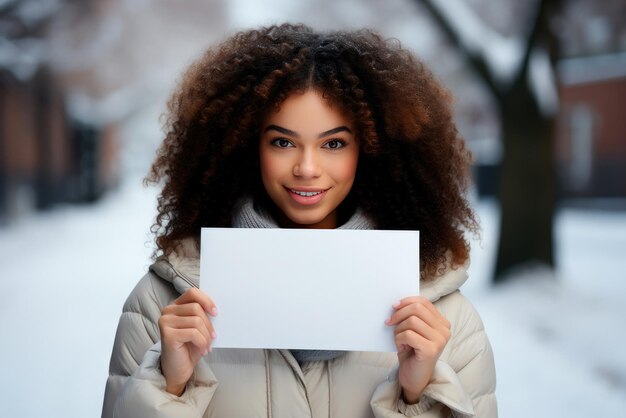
(189, 309)
(194, 295)
(189, 335)
(439, 337)
(421, 311)
(169, 322)
(416, 299)
(411, 340)
(426, 303)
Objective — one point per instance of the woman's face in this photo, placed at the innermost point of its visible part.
(308, 155)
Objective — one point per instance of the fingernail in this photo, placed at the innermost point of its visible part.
(387, 321)
(213, 311)
(395, 305)
(210, 349)
(206, 350)
(213, 335)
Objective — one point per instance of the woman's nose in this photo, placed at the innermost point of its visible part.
(307, 165)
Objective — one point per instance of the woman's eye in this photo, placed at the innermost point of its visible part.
(281, 143)
(334, 144)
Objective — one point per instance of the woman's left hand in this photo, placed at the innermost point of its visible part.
(421, 334)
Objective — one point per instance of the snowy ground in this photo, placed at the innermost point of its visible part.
(558, 337)
(65, 274)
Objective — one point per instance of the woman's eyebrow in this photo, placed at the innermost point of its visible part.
(281, 130)
(334, 131)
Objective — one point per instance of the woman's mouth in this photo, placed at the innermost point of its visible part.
(307, 197)
(306, 194)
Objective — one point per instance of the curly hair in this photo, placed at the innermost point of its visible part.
(413, 170)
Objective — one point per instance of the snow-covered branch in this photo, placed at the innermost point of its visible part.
(502, 55)
(22, 57)
(541, 81)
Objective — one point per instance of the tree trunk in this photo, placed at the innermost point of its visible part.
(528, 177)
(527, 185)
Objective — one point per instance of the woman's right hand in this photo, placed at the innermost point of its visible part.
(186, 335)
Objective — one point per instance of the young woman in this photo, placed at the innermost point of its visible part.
(286, 127)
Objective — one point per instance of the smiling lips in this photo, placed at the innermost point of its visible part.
(307, 197)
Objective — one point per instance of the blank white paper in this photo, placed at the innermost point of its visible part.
(307, 289)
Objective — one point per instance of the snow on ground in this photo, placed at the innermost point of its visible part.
(558, 337)
(65, 274)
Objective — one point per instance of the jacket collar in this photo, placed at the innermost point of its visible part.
(451, 280)
(249, 215)
(181, 267)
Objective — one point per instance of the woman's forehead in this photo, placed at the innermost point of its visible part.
(307, 110)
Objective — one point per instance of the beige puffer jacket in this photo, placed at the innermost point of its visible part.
(234, 383)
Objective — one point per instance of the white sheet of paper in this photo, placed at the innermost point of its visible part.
(307, 289)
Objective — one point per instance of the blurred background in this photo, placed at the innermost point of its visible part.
(540, 90)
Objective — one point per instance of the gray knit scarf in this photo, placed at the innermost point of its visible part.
(246, 215)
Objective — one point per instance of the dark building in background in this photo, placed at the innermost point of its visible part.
(46, 156)
(591, 141)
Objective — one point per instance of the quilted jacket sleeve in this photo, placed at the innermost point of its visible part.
(137, 331)
(144, 394)
(471, 357)
(463, 382)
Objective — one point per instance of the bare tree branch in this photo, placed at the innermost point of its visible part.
(477, 61)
